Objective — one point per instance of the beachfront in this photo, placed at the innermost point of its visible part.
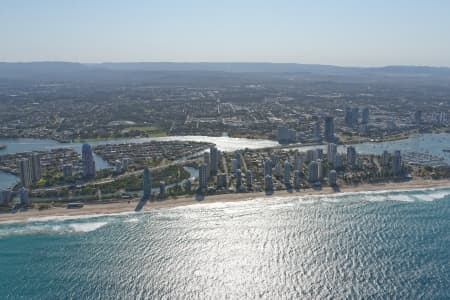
(121, 206)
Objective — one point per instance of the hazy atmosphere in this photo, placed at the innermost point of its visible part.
(206, 149)
(348, 33)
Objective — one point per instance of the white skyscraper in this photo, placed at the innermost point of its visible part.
(25, 171)
(331, 153)
(319, 169)
(351, 156)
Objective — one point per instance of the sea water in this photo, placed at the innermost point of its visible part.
(387, 244)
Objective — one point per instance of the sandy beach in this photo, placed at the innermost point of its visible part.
(122, 206)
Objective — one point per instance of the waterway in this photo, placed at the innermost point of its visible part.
(29, 145)
(425, 143)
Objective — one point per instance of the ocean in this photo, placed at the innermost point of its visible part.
(386, 244)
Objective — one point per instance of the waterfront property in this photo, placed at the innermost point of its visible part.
(271, 169)
(138, 155)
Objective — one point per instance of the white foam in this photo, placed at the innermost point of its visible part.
(399, 197)
(275, 205)
(419, 194)
(87, 227)
(132, 220)
(275, 202)
(61, 228)
(432, 197)
(57, 228)
(64, 218)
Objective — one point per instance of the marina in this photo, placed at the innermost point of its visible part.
(424, 159)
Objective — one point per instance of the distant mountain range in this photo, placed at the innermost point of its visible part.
(263, 67)
(48, 70)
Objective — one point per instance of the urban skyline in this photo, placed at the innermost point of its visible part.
(197, 149)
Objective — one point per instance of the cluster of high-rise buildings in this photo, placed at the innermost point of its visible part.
(321, 166)
(314, 158)
(210, 168)
(29, 169)
(392, 163)
(287, 136)
(316, 166)
(352, 116)
(420, 118)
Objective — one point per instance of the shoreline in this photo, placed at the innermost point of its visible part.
(118, 207)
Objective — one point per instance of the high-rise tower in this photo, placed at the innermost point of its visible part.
(88, 161)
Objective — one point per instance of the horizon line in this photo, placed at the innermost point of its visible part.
(226, 62)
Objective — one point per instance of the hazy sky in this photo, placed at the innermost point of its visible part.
(339, 32)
